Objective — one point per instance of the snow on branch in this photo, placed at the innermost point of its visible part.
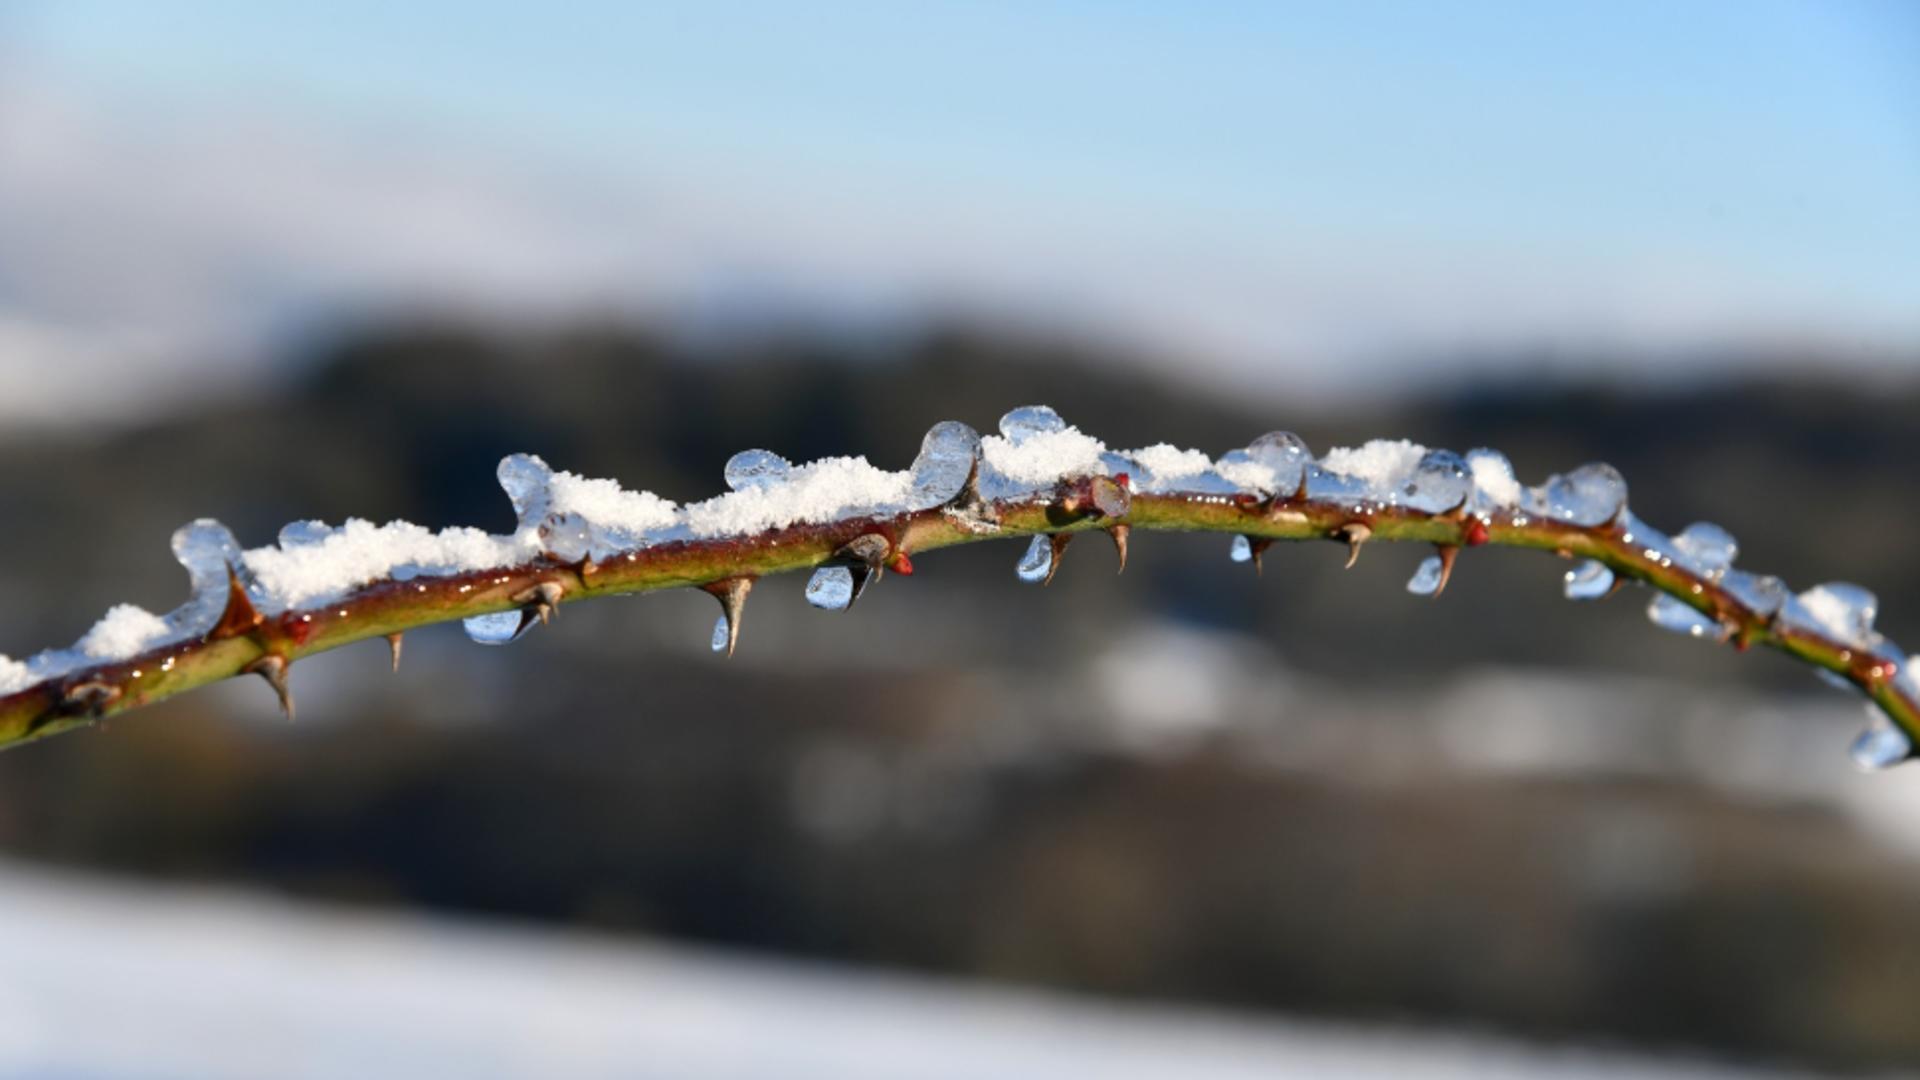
(848, 522)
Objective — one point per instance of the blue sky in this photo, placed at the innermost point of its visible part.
(1694, 170)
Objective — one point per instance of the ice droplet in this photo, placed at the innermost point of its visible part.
(1426, 578)
(720, 634)
(756, 469)
(1590, 580)
(303, 534)
(1589, 495)
(1880, 746)
(1706, 549)
(498, 627)
(1668, 613)
(1286, 454)
(831, 588)
(1761, 594)
(527, 481)
(1439, 482)
(568, 537)
(207, 549)
(1242, 550)
(1037, 562)
(947, 456)
(1027, 421)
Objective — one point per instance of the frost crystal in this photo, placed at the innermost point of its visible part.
(1493, 480)
(1166, 465)
(1039, 459)
(122, 632)
(826, 490)
(1382, 465)
(15, 675)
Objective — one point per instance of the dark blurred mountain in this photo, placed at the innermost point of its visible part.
(931, 780)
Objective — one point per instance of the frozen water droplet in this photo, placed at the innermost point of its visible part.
(526, 480)
(1242, 550)
(1706, 549)
(1027, 421)
(1590, 580)
(1668, 613)
(947, 456)
(1880, 746)
(1761, 594)
(831, 588)
(1326, 486)
(1589, 495)
(756, 469)
(720, 634)
(498, 628)
(1286, 454)
(207, 549)
(303, 534)
(1834, 679)
(567, 537)
(1037, 562)
(1439, 483)
(1426, 578)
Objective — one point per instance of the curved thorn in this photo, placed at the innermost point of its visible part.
(540, 602)
(1120, 534)
(732, 594)
(239, 616)
(1058, 542)
(1355, 534)
(273, 668)
(1258, 548)
(1448, 553)
(394, 642)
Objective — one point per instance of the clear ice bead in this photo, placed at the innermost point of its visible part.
(719, 641)
(527, 481)
(303, 534)
(1881, 745)
(1027, 421)
(756, 469)
(1668, 613)
(1706, 549)
(831, 588)
(1761, 594)
(1589, 495)
(1426, 578)
(208, 550)
(1286, 454)
(498, 627)
(1439, 483)
(1590, 580)
(947, 457)
(1034, 566)
(1242, 550)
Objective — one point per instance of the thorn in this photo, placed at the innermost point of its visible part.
(1300, 492)
(1355, 534)
(1448, 553)
(866, 556)
(273, 668)
(1119, 534)
(1258, 548)
(1619, 583)
(539, 602)
(1476, 532)
(394, 641)
(732, 594)
(1058, 542)
(239, 617)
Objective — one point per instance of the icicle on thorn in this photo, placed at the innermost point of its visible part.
(273, 668)
(732, 594)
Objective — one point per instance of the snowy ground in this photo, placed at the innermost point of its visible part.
(102, 979)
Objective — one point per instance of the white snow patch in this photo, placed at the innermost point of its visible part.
(1833, 614)
(1044, 457)
(1493, 478)
(1248, 475)
(1382, 463)
(360, 552)
(14, 675)
(606, 503)
(820, 491)
(1166, 463)
(123, 631)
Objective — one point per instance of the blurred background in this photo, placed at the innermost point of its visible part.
(264, 263)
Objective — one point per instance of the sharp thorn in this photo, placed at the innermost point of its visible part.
(1258, 548)
(394, 642)
(273, 668)
(89, 699)
(1119, 534)
(732, 594)
(1618, 584)
(239, 616)
(1448, 553)
(541, 602)
(1058, 542)
(1355, 534)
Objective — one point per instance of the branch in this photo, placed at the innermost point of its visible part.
(584, 539)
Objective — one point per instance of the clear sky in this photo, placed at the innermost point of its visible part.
(1381, 178)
